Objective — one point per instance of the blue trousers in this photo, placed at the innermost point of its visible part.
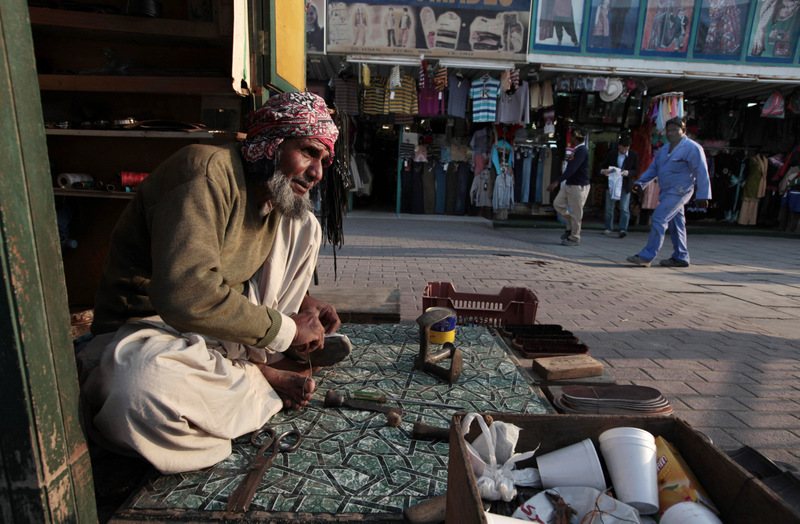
(669, 212)
(624, 211)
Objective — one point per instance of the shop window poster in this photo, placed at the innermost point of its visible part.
(559, 23)
(478, 29)
(773, 36)
(613, 25)
(720, 29)
(667, 27)
(315, 28)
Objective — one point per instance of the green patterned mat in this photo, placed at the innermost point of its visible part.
(351, 461)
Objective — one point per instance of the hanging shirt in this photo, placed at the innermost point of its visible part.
(502, 154)
(457, 96)
(484, 92)
(402, 99)
(513, 108)
(374, 96)
(503, 196)
(431, 102)
(346, 95)
(481, 191)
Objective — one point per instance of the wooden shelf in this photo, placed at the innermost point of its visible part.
(133, 133)
(92, 193)
(120, 26)
(164, 85)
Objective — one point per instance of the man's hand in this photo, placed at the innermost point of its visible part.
(624, 172)
(552, 187)
(310, 334)
(325, 312)
(636, 188)
(702, 204)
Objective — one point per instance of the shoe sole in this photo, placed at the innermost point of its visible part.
(337, 348)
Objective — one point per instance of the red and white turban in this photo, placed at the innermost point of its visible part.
(288, 115)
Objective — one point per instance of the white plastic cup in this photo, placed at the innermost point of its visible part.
(630, 454)
(574, 465)
(689, 513)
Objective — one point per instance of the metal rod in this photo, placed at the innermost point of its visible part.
(434, 404)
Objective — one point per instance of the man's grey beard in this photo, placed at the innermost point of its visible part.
(283, 198)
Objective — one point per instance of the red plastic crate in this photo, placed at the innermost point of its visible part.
(513, 305)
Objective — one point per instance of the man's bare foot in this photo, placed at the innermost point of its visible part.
(291, 382)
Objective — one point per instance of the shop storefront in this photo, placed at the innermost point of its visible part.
(453, 117)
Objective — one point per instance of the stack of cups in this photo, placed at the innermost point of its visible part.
(575, 465)
(630, 455)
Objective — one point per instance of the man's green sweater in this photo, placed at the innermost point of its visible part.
(184, 247)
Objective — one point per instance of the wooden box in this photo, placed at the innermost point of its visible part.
(740, 497)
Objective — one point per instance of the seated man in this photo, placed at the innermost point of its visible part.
(204, 289)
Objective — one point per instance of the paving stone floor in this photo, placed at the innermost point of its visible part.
(720, 339)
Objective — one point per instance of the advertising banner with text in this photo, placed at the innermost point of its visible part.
(436, 28)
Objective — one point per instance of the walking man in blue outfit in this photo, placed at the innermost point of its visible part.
(678, 167)
(570, 200)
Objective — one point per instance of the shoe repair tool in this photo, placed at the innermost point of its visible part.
(431, 511)
(424, 431)
(335, 400)
(428, 362)
(240, 499)
(376, 397)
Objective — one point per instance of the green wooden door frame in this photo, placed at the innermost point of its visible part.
(45, 461)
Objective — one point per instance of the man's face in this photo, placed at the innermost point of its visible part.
(623, 150)
(301, 162)
(674, 133)
(299, 169)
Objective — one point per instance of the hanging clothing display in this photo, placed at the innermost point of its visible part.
(345, 94)
(458, 93)
(755, 187)
(403, 98)
(664, 107)
(481, 191)
(514, 107)
(484, 92)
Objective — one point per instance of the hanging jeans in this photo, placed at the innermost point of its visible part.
(441, 188)
(669, 213)
(463, 185)
(624, 211)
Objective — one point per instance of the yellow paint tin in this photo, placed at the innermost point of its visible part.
(444, 330)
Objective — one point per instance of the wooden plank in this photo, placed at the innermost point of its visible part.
(570, 366)
(44, 455)
(137, 84)
(119, 25)
(374, 305)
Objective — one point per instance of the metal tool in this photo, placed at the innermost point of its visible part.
(424, 431)
(428, 362)
(376, 397)
(240, 499)
(335, 400)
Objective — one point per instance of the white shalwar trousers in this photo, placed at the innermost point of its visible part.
(177, 399)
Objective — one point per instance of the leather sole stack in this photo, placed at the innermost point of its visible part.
(611, 400)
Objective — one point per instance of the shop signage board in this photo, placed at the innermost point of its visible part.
(667, 27)
(613, 25)
(721, 29)
(752, 32)
(495, 29)
(773, 35)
